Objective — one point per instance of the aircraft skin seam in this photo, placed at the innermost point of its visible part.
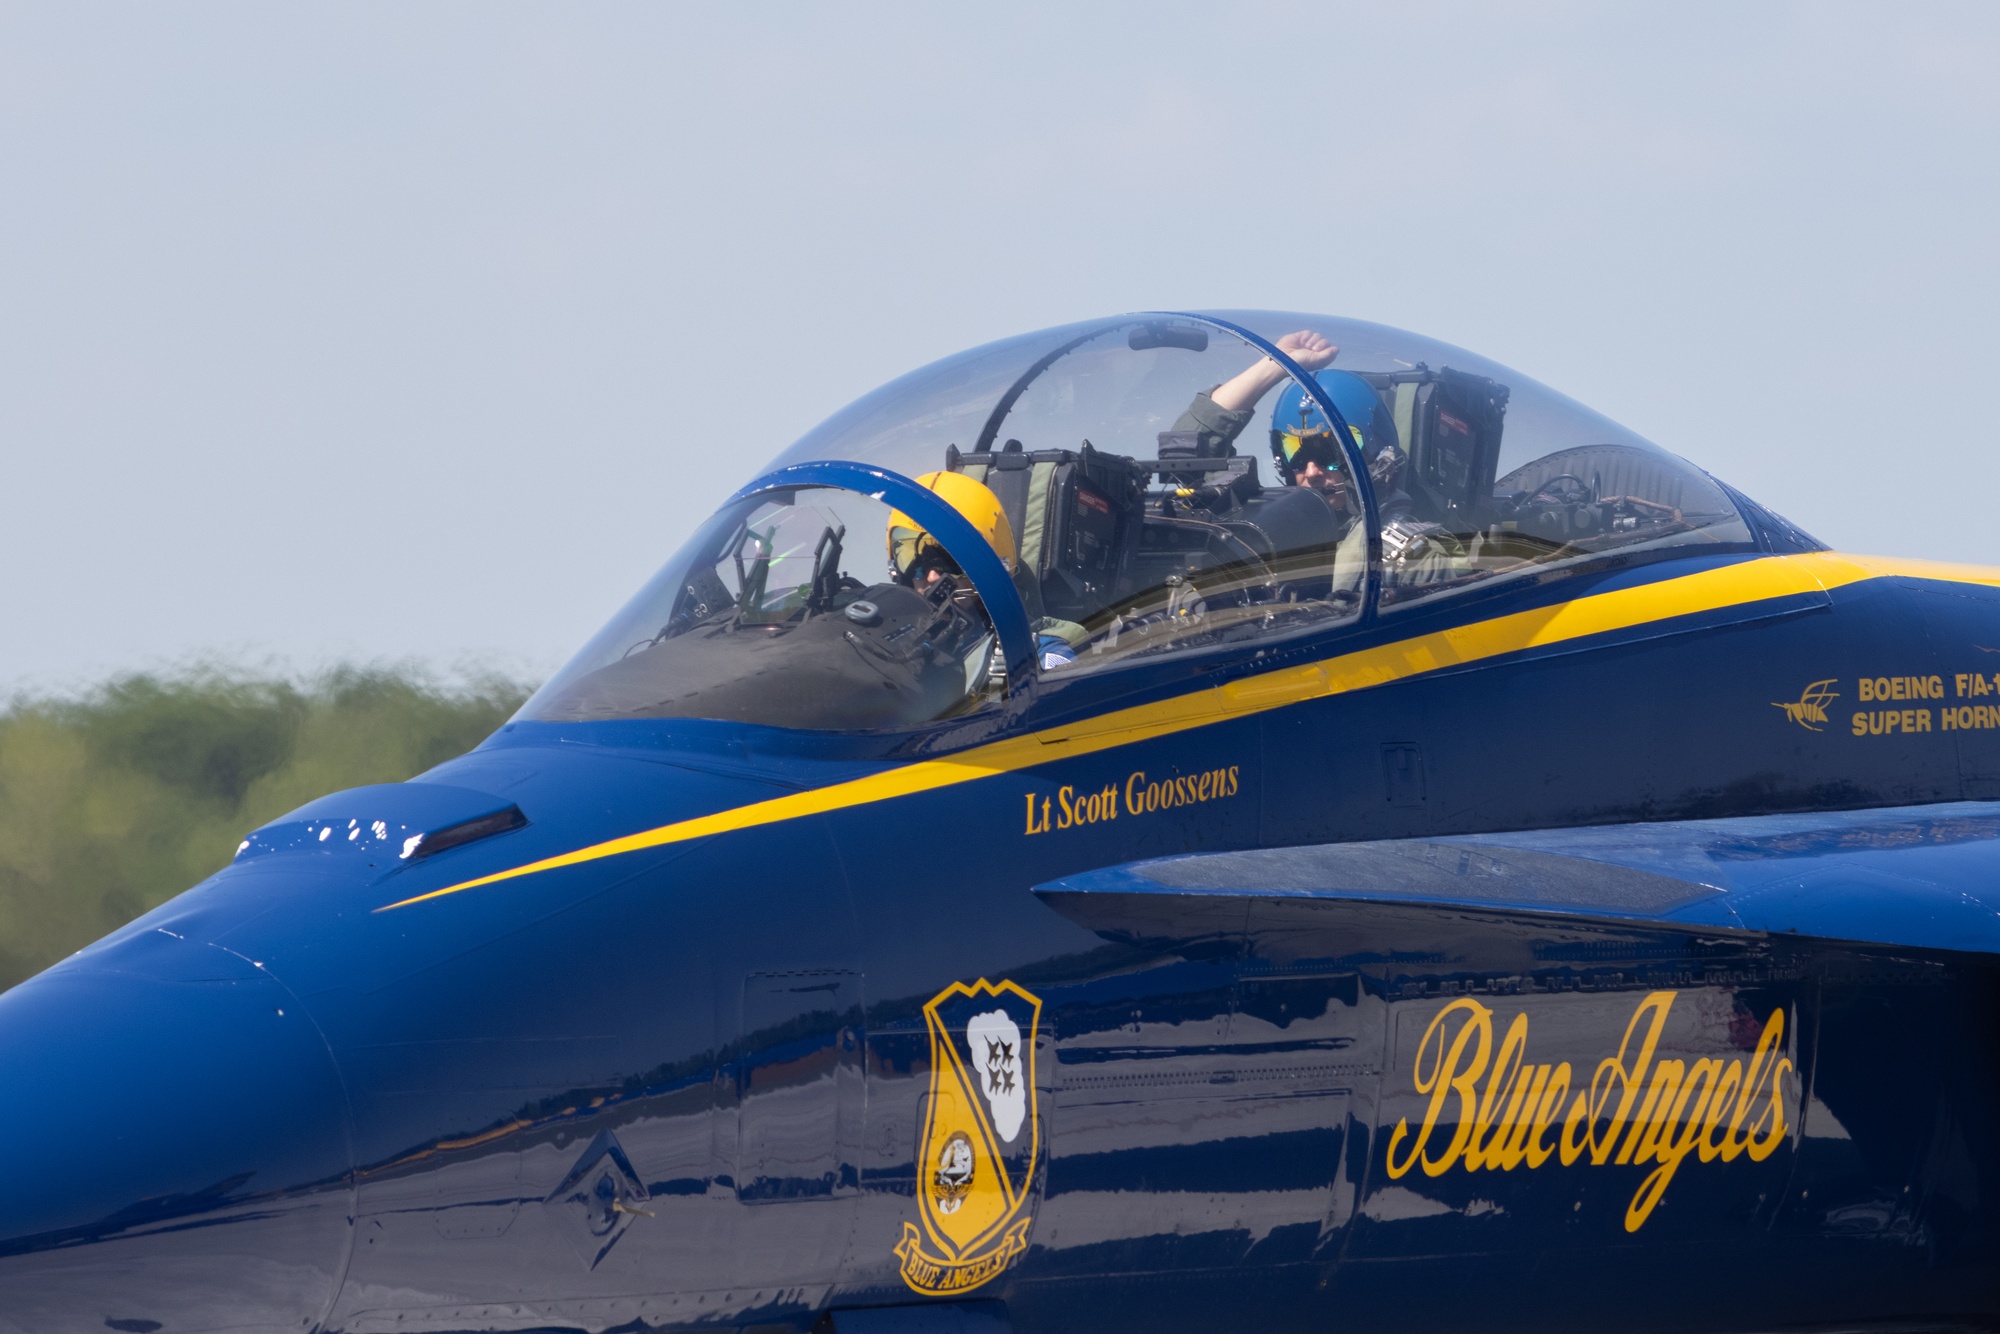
(1733, 585)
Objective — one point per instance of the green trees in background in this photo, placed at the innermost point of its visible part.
(115, 801)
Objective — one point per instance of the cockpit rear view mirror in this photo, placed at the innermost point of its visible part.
(1158, 333)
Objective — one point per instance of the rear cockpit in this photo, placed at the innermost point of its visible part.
(1169, 484)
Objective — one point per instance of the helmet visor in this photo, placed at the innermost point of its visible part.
(913, 552)
(1319, 447)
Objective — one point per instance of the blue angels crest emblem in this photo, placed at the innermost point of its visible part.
(980, 1140)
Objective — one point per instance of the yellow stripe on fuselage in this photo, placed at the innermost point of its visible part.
(1726, 586)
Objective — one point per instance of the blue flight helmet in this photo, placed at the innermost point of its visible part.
(1298, 424)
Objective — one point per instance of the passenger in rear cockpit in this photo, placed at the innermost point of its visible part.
(1308, 453)
(1218, 416)
(1303, 444)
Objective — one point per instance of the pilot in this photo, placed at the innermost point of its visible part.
(919, 561)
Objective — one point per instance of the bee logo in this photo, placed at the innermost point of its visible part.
(953, 1181)
(1809, 709)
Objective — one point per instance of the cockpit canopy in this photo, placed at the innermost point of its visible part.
(1170, 483)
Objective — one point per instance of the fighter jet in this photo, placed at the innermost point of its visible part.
(1181, 822)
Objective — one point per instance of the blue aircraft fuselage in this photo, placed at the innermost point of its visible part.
(1609, 944)
(684, 1083)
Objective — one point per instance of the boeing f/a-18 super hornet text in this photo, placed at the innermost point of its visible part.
(1175, 823)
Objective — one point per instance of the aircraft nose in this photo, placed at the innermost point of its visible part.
(174, 1147)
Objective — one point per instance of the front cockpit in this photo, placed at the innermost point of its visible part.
(1104, 494)
(775, 619)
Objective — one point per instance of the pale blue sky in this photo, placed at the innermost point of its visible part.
(430, 330)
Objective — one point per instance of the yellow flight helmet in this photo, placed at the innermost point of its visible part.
(981, 508)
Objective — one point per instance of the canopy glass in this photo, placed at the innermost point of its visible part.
(1139, 486)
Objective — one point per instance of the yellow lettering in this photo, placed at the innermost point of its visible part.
(1232, 780)
(1675, 1085)
(1760, 1061)
(1612, 1071)
(1774, 1070)
(1206, 781)
(1510, 1140)
(1958, 684)
(1867, 691)
(1651, 1122)
(1504, 1071)
(1923, 720)
(1730, 1085)
(1031, 816)
(1861, 724)
(1774, 1116)
(1503, 1108)
(1545, 1115)
(1068, 812)
(1936, 690)
(1668, 1149)
(1449, 1073)
(1572, 1144)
